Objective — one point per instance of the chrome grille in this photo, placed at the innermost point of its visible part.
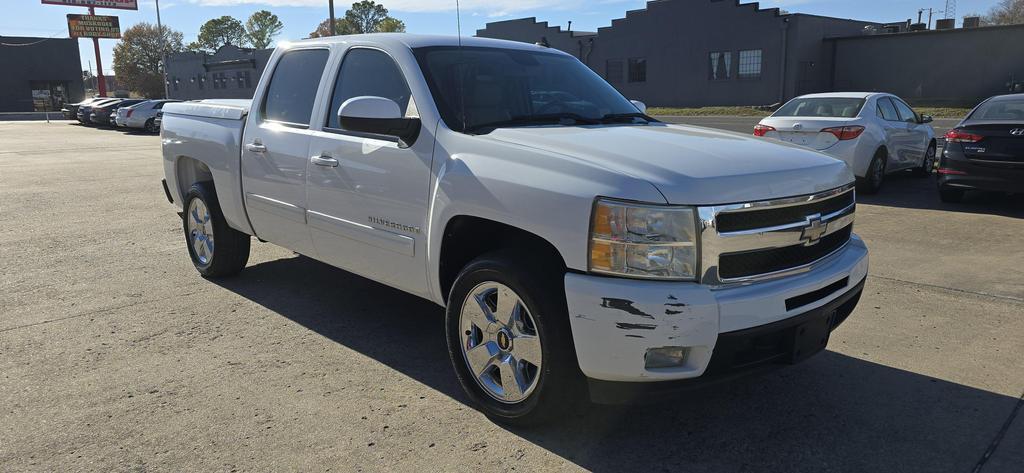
(767, 239)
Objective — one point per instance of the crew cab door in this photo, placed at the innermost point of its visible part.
(368, 193)
(275, 149)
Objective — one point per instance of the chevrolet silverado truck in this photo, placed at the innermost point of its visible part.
(582, 249)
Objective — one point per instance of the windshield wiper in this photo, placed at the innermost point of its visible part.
(617, 117)
(546, 119)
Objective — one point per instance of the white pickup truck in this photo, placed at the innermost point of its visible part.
(581, 248)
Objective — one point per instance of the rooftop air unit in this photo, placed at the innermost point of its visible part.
(945, 24)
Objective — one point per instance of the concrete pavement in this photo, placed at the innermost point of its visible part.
(116, 355)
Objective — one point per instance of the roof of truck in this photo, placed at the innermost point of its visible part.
(420, 41)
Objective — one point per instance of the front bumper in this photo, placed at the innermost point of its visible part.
(615, 321)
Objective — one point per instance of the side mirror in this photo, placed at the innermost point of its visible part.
(378, 116)
(639, 105)
(926, 118)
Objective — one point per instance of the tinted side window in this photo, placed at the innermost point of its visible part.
(373, 73)
(293, 86)
(886, 110)
(906, 113)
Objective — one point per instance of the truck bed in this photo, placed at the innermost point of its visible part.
(202, 140)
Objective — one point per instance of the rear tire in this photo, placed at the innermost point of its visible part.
(872, 182)
(951, 195)
(216, 249)
(928, 164)
(548, 387)
(150, 126)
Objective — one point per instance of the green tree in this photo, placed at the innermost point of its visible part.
(137, 57)
(261, 28)
(391, 25)
(1006, 12)
(364, 17)
(218, 32)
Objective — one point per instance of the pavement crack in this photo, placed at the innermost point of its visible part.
(999, 436)
(93, 312)
(952, 289)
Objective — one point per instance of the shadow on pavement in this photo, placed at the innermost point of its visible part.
(832, 413)
(907, 191)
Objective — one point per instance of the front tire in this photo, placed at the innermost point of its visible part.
(872, 182)
(927, 164)
(509, 339)
(216, 249)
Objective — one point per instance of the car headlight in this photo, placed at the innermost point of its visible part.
(643, 241)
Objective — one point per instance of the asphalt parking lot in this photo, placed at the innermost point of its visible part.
(116, 355)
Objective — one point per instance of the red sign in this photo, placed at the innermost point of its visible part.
(119, 4)
(93, 26)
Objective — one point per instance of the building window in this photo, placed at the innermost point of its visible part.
(638, 70)
(613, 71)
(750, 64)
(720, 65)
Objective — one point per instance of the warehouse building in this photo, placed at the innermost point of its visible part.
(692, 53)
(699, 52)
(39, 74)
(229, 73)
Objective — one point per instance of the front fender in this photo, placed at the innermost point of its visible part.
(546, 194)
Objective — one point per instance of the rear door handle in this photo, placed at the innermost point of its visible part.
(325, 161)
(256, 148)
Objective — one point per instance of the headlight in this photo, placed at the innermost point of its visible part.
(643, 241)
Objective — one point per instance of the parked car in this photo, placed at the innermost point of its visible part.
(101, 114)
(70, 110)
(874, 133)
(84, 113)
(580, 248)
(142, 115)
(985, 151)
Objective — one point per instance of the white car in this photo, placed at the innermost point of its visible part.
(874, 133)
(142, 115)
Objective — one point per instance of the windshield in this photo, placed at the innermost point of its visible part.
(835, 107)
(479, 88)
(1004, 109)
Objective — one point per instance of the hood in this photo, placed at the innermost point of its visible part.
(691, 165)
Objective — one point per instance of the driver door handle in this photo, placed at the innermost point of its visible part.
(324, 160)
(256, 147)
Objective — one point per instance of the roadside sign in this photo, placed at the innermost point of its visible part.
(93, 26)
(119, 4)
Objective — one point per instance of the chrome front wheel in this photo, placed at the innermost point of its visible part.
(500, 342)
(200, 231)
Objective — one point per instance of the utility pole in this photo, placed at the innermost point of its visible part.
(331, 6)
(163, 49)
(101, 83)
(930, 12)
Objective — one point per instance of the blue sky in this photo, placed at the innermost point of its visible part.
(31, 18)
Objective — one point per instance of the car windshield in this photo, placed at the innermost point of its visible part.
(1003, 109)
(837, 107)
(477, 89)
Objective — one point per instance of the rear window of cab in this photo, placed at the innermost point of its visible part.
(824, 107)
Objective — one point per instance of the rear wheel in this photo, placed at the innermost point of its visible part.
(872, 182)
(215, 248)
(927, 164)
(509, 339)
(951, 194)
(150, 126)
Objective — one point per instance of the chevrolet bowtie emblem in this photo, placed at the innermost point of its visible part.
(814, 230)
